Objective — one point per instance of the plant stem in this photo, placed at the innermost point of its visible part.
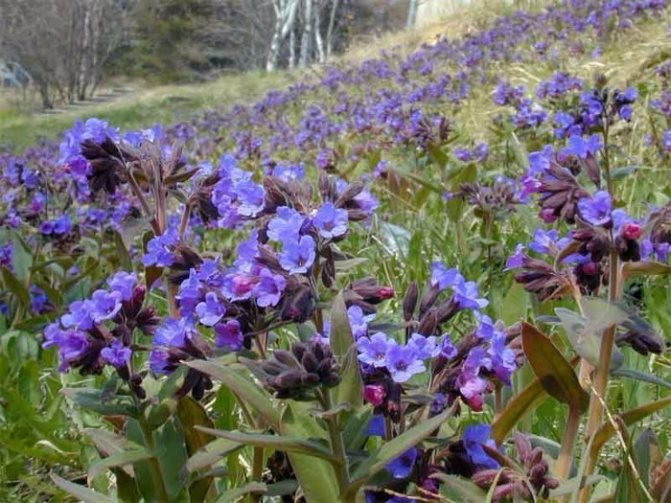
(566, 452)
(154, 466)
(257, 470)
(336, 440)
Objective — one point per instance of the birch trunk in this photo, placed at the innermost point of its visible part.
(318, 35)
(307, 34)
(329, 33)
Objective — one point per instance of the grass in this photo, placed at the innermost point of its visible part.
(21, 126)
(143, 108)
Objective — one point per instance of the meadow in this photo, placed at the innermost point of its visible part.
(437, 272)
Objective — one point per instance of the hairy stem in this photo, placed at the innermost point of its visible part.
(154, 466)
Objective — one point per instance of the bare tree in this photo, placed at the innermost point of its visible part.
(412, 13)
(61, 43)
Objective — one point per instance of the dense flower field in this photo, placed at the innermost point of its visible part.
(348, 291)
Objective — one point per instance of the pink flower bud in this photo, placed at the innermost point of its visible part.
(632, 231)
(548, 216)
(374, 394)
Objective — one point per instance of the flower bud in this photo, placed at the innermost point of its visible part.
(374, 394)
(410, 301)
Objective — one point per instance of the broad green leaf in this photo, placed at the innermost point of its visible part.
(514, 305)
(630, 417)
(396, 447)
(647, 454)
(350, 388)
(355, 430)
(92, 399)
(459, 489)
(554, 372)
(172, 456)
(211, 454)
(122, 253)
(569, 486)
(276, 442)
(15, 286)
(520, 405)
(235, 379)
(628, 487)
(121, 458)
(645, 268)
(585, 332)
(80, 492)
(191, 415)
(22, 257)
(316, 477)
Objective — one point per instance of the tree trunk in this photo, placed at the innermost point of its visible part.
(307, 34)
(329, 33)
(318, 35)
(412, 14)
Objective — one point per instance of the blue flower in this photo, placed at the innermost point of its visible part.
(425, 347)
(78, 316)
(579, 147)
(516, 260)
(475, 436)
(286, 225)
(331, 222)
(466, 294)
(442, 277)
(123, 283)
(298, 256)
(359, 321)
(401, 467)
(597, 209)
(211, 310)
(269, 288)
(373, 350)
(403, 362)
(229, 335)
(104, 305)
(117, 354)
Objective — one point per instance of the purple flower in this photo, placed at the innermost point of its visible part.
(269, 289)
(251, 198)
(579, 147)
(597, 209)
(174, 333)
(442, 277)
(403, 362)
(72, 344)
(229, 335)
(475, 436)
(123, 283)
(39, 302)
(286, 225)
(189, 294)
(373, 350)
(117, 354)
(359, 321)
(62, 225)
(78, 316)
(159, 361)
(376, 426)
(298, 256)
(211, 310)
(159, 250)
(466, 293)
(516, 260)
(425, 347)
(547, 242)
(447, 348)
(330, 221)
(401, 467)
(104, 305)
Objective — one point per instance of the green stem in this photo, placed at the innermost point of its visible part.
(337, 444)
(257, 471)
(154, 466)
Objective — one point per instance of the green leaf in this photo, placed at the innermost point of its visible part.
(350, 388)
(585, 332)
(628, 488)
(15, 286)
(555, 373)
(639, 375)
(80, 492)
(211, 454)
(647, 454)
(514, 305)
(122, 252)
(22, 257)
(520, 405)
(245, 389)
(121, 458)
(191, 414)
(239, 492)
(276, 442)
(459, 489)
(316, 477)
(630, 417)
(394, 448)
(92, 399)
(645, 268)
